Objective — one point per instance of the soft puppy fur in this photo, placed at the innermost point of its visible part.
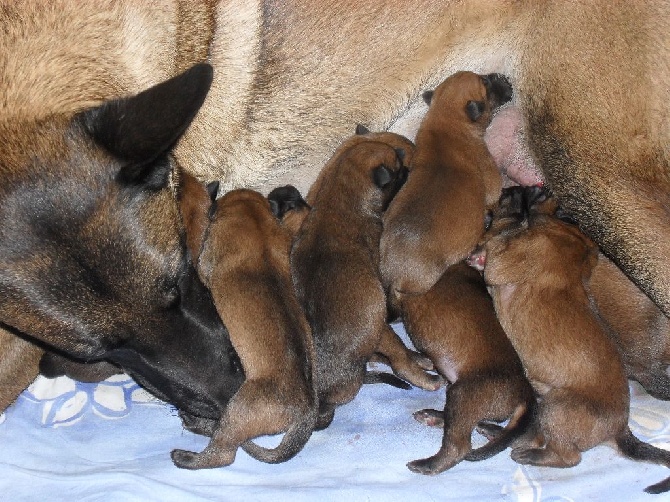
(244, 260)
(335, 267)
(437, 218)
(455, 324)
(536, 267)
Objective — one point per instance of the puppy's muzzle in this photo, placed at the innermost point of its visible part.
(498, 89)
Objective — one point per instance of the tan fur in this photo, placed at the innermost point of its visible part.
(437, 217)
(344, 300)
(455, 324)
(245, 262)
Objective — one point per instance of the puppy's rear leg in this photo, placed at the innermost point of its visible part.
(464, 407)
(255, 410)
(403, 361)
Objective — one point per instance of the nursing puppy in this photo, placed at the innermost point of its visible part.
(335, 270)
(244, 260)
(455, 325)
(583, 390)
(638, 328)
(438, 216)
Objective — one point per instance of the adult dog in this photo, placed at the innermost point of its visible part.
(290, 79)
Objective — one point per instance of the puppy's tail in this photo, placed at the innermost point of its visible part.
(291, 444)
(519, 422)
(633, 448)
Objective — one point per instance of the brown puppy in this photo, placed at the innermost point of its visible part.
(454, 324)
(639, 329)
(389, 338)
(245, 261)
(335, 269)
(437, 218)
(292, 209)
(574, 367)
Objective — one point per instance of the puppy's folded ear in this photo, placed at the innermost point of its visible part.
(400, 153)
(382, 176)
(428, 97)
(474, 109)
(139, 129)
(361, 129)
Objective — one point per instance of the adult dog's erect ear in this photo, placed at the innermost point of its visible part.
(138, 129)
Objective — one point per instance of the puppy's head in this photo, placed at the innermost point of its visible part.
(240, 221)
(93, 258)
(397, 141)
(470, 97)
(284, 199)
(288, 205)
(526, 235)
(383, 164)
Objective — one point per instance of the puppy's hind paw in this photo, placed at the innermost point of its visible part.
(184, 459)
(424, 466)
(429, 417)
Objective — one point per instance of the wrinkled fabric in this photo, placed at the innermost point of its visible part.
(64, 441)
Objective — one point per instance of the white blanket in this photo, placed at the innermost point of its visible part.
(67, 441)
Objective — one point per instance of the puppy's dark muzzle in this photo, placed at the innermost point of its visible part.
(499, 89)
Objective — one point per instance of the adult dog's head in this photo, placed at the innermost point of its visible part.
(93, 259)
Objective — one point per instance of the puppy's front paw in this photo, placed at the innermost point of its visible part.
(184, 459)
(429, 417)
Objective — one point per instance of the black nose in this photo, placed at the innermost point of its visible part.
(499, 87)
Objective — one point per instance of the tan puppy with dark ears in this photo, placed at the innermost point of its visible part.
(289, 206)
(438, 216)
(536, 267)
(638, 328)
(245, 262)
(335, 265)
(455, 324)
